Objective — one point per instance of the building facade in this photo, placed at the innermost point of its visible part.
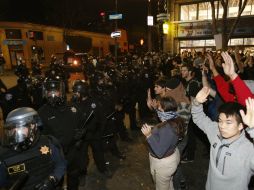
(29, 41)
(190, 25)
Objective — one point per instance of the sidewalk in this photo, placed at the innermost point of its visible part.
(9, 78)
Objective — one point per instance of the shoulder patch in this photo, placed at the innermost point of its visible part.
(44, 150)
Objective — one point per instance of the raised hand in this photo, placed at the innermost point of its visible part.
(202, 95)
(146, 130)
(151, 103)
(228, 65)
(211, 62)
(211, 65)
(248, 118)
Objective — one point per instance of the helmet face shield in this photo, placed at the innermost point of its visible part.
(20, 128)
(15, 135)
(80, 88)
(53, 89)
(54, 92)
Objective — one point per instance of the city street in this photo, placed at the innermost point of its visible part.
(132, 173)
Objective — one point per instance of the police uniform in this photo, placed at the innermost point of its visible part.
(27, 159)
(41, 160)
(61, 122)
(93, 122)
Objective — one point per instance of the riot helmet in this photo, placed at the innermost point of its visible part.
(21, 128)
(80, 90)
(54, 91)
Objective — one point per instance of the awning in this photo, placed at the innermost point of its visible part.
(79, 43)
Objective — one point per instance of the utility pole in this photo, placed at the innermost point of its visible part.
(116, 46)
(149, 35)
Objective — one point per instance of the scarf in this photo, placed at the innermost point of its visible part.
(164, 116)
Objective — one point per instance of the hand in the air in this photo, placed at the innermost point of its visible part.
(202, 95)
(248, 117)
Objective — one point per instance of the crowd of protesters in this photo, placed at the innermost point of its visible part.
(167, 92)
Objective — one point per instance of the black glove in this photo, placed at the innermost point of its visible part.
(48, 184)
(78, 134)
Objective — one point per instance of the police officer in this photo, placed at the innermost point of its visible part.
(37, 91)
(61, 121)
(15, 97)
(106, 92)
(28, 159)
(21, 92)
(93, 122)
(21, 69)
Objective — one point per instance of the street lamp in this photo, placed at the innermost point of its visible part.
(116, 7)
(149, 40)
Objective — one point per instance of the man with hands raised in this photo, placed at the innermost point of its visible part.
(232, 153)
(242, 92)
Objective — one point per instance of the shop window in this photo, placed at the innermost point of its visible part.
(183, 43)
(13, 34)
(198, 43)
(218, 9)
(235, 42)
(248, 41)
(210, 43)
(186, 43)
(35, 35)
(188, 12)
(248, 10)
(204, 11)
(37, 53)
(233, 8)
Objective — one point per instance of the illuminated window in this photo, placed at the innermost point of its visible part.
(248, 41)
(204, 11)
(237, 41)
(199, 43)
(13, 34)
(233, 8)
(248, 10)
(218, 9)
(210, 42)
(189, 12)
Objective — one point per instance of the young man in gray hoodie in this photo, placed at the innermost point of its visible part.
(232, 153)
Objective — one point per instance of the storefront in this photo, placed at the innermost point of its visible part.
(32, 42)
(192, 25)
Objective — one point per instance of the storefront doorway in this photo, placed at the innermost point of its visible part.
(16, 53)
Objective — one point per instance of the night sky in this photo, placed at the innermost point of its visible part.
(78, 14)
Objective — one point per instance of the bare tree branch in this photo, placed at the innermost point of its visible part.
(239, 5)
(237, 18)
(214, 22)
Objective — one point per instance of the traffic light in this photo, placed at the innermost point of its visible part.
(103, 16)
